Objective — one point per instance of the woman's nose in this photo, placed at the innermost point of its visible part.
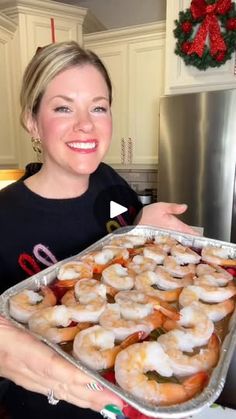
(83, 122)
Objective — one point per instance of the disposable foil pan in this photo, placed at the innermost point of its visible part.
(218, 376)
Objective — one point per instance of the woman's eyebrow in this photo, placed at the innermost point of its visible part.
(69, 99)
(97, 98)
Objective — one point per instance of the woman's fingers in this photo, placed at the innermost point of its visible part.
(172, 208)
(163, 214)
(36, 367)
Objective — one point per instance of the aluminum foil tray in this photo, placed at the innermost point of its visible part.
(218, 376)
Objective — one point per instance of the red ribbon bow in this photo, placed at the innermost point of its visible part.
(209, 25)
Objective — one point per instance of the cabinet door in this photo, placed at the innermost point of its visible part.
(146, 85)
(8, 144)
(180, 78)
(39, 32)
(114, 56)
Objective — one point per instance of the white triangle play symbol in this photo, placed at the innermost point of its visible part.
(116, 209)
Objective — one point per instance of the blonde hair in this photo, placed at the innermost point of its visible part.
(46, 64)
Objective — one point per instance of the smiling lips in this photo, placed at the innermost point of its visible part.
(83, 146)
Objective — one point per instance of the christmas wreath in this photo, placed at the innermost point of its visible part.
(206, 33)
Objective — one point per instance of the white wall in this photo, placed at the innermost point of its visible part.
(119, 13)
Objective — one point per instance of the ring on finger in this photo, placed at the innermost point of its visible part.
(51, 399)
(94, 386)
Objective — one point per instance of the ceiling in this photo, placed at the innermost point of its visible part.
(119, 13)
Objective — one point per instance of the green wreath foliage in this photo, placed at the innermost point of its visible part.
(207, 60)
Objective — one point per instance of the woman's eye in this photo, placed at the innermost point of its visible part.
(100, 109)
(63, 109)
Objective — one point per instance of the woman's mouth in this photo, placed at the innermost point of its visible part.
(83, 146)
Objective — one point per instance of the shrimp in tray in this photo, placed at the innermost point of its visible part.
(112, 319)
(217, 256)
(166, 281)
(118, 277)
(132, 365)
(96, 346)
(215, 312)
(23, 304)
(184, 255)
(184, 364)
(70, 272)
(128, 241)
(108, 255)
(53, 323)
(206, 293)
(86, 312)
(165, 242)
(137, 305)
(155, 252)
(148, 281)
(213, 274)
(176, 269)
(140, 263)
(192, 330)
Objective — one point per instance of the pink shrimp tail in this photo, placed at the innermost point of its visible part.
(195, 383)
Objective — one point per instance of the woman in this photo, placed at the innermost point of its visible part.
(58, 211)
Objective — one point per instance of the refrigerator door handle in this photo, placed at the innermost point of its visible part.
(233, 224)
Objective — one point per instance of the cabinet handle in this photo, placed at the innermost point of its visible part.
(122, 151)
(130, 150)
(126, 150)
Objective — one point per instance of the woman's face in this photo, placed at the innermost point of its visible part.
(74, 121)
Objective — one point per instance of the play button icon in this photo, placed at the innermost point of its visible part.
(116, 209)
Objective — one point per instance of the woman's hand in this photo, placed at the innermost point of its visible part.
(36, 367)
(163, 214)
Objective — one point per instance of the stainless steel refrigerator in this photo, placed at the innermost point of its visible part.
(197, 165)
(197, 159)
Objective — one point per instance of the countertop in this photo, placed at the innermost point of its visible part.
(216, 412)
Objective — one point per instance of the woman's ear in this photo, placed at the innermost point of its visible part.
(31, 125)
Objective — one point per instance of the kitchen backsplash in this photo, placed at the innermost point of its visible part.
(141, 179)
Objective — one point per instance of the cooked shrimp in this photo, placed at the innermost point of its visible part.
(27, 302)
(193, 329)
(184, 255)
(140, 264)
(112, 319)
(166, 242)
(208, 294)
(52, 323)
(117, 277)
(185, 365)
(217, 311)
(132, 364)
(166, 281)
(87, 290)
(174, 268)
(217, 255)
(133, 304)
(128, 241)
(137, 305)
(72, 271)
(196, 324)
(205, 269)
(99, 260)
(145, 281)
(86, 312)
(211, 279)
(96, 347)
(154, 252)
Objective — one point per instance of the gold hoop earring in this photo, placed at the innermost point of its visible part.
(37, 147)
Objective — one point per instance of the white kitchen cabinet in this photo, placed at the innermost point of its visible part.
(31, 21)
(134, 58)
(8, 143)
(180, 78)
